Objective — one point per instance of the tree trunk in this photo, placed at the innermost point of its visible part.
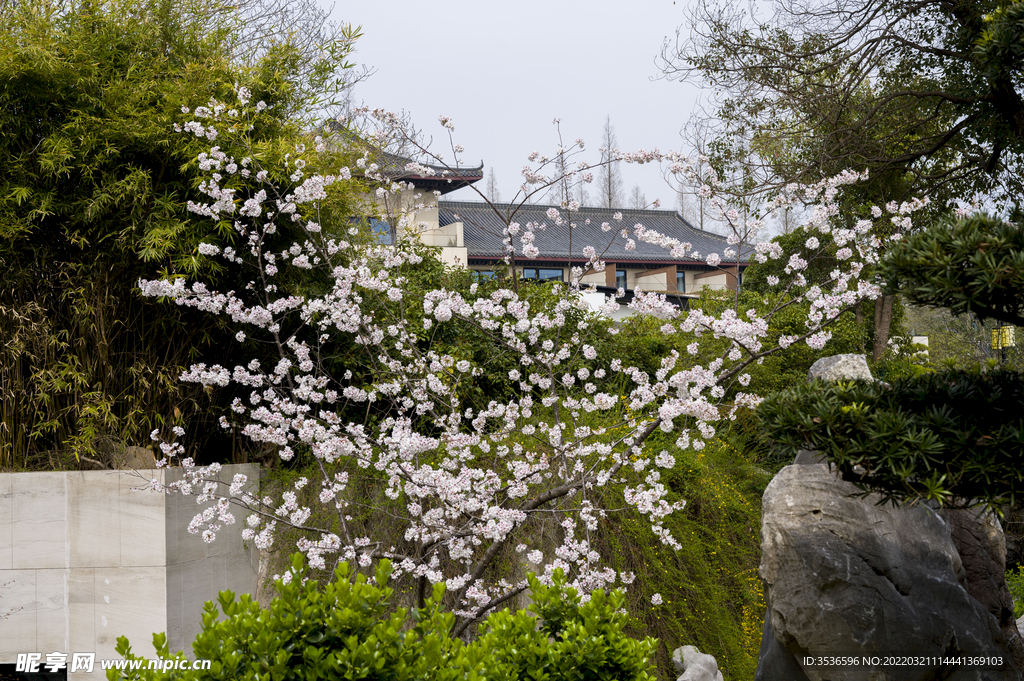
(421, 592)
(883, 320)
(860, 326)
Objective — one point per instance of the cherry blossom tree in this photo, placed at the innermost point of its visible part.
(524, 475)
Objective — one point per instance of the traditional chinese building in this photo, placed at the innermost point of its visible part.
(472, 234)
(630, 262)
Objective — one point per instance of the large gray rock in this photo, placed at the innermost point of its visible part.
(840, 368)
(1013, 531)
(846, 577)
(774, 661)
(978, 538)
(695, 665)
(805, 457)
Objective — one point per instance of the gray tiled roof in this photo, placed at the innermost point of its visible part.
(441, 179)
(394, 166)
(482, 233)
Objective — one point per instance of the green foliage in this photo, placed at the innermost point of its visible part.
(351, 630)
(462, 339)
(902, 359)
(940, 114)
(976, 265)
(960, 341)
(712, 593)
(567, 640)
(641, 343)
(951, 437)
(1015, 582)
(781, 370)
(94, 196)
(820, 262)
(1000, 49)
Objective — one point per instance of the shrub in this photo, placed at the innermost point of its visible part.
(974, 265)
(1015, 582)
(350, 630)
(94, 194)
(951, 437)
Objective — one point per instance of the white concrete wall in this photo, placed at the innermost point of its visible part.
(415, 211)
(655, 281)
(90, 559)
(716, 282)
(921, 340)
(449, 236)
(425, 222)
(597, 300)
(455, 257)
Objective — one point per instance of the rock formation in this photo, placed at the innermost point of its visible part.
(840, 368)
(845, 577)
(695, 665)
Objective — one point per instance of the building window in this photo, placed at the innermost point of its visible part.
(620, 279)
(484, 275)
(542, 274)
(681, 282)
(382, 232)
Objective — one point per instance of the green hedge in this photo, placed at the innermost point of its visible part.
(351, 630)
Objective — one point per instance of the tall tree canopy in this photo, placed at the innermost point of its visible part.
(925, 94)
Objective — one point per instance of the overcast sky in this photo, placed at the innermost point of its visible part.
(504, 70)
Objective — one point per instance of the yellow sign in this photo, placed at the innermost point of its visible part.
(1003, 337)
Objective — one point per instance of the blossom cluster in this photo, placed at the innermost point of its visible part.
(463, 484)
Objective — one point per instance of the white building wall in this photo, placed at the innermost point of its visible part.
(715, 282)
(652, 282)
